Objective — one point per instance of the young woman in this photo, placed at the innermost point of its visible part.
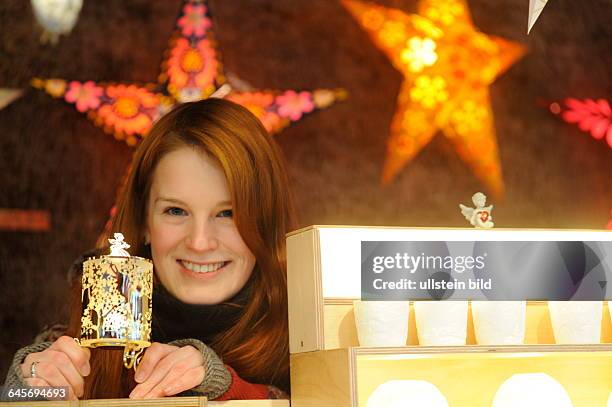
(207, 199)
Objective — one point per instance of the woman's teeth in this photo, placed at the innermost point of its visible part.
(202, 268)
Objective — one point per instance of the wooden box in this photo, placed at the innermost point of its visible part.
(468, 376)
(324, 277)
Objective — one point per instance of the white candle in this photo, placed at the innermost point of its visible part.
(499, 322)
(382, 323)
(576, 321)
(441, 322)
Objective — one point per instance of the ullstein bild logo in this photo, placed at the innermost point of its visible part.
(486, 270)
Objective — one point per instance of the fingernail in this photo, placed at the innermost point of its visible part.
(86, 370)
(169, 391)
(133, 394)
(139, 376)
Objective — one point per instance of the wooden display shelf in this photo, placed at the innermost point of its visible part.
(468, 376)
(324, 276)
(163, 402)
(339, 329)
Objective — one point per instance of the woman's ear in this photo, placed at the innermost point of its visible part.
(147, 238)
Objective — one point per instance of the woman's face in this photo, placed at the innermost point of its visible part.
(198, 254)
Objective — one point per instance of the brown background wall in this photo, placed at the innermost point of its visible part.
(53, 158)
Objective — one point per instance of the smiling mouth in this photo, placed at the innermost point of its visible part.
(202, 268)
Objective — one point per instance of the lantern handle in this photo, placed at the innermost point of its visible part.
(132, 356)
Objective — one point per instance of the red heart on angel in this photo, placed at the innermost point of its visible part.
(484, 216)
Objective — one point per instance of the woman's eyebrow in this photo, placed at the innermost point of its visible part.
(170, 200)
(178, 201)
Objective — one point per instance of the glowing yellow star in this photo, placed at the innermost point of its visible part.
(447, 66)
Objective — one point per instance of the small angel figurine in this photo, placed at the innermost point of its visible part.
(118, 246)
(480, 216)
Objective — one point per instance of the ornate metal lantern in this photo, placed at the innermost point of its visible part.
(116, 298)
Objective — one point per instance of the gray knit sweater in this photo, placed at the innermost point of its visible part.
(217, 379)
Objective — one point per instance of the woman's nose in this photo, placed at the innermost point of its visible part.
(203, 237)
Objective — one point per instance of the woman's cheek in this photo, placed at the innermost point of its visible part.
(166, 235)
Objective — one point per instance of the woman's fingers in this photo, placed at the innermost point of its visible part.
(26, 366)
(177, 381)
(152, 368)
(36, 382)
(51, 375)
(56, 368)
(77, 354)
(153, 354)
(175, 362)
(63, 364)
(160, 370)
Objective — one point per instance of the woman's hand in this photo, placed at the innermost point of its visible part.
(166, 370)
(63, 364)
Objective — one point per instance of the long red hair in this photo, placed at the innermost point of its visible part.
(257, 345)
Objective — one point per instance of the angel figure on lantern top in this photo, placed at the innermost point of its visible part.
(480, 216)
(118, 246)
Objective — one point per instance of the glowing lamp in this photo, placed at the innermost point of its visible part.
(531, 390)
(116, 296)
(401, 393)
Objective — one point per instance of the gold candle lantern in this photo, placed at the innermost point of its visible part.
(116, 296)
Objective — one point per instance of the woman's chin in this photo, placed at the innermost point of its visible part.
(198, 295)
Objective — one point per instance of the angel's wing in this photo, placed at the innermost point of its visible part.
(466, 211)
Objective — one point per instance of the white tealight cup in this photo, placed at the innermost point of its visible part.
(499, 322)
(382, 323)
(441, 322)
(576, 322)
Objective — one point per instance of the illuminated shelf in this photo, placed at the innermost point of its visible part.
(328, 369)
(339, 331)
(324, 277)
(468, 376)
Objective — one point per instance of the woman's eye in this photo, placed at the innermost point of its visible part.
(226, 214)
(174, 211)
